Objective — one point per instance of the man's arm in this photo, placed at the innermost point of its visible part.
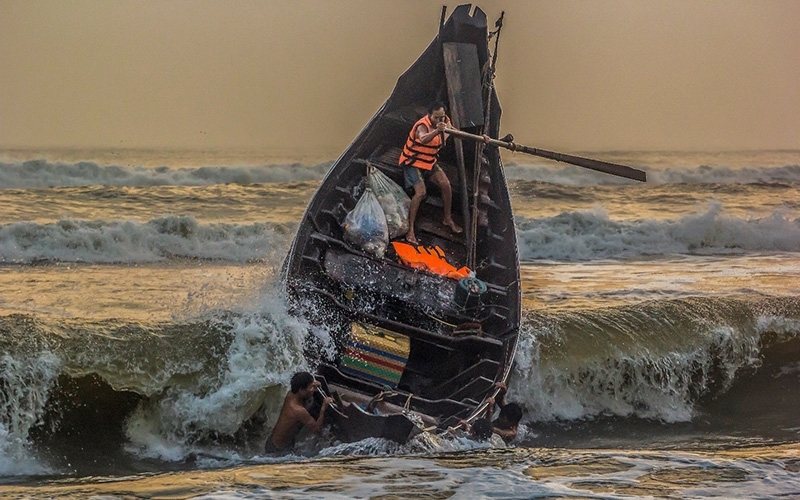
(424, 135)
(508, 435)
(501, 394)
(489, 408)
(314, 425)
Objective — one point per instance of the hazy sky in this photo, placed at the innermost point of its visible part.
(290, 74)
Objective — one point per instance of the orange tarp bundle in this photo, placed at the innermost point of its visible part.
(428, 259)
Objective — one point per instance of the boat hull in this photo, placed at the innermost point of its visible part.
(409, 335)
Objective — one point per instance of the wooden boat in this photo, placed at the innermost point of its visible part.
(413, 349)
(383, 315)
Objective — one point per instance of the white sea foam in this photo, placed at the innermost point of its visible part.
(576, 176)
(669, 168)
(26, 382)
(267, 348)
(589, 235)
(131, 242)
(629, 373)
(661, 169)
(570, 236)
(42, 173)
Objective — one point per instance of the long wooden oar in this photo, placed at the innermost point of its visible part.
(599, 165)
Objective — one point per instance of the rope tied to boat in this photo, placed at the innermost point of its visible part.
(431, 316)
(414, 418)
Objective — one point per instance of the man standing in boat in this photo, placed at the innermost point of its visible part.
(418, 160)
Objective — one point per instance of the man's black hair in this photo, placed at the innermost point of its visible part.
(436, 105)
(482, 429)
(300, 380)
(511, 413)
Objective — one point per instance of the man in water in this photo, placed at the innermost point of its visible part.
(503, 430)
(294, 414)
(507, 422)
(418, 159)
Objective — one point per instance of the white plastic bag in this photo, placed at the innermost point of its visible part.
(365, 225)
(394, 202)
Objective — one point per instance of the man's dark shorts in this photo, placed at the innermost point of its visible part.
(414, 175)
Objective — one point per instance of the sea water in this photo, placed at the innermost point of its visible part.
(146, 348)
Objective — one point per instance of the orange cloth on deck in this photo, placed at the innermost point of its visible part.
(428, 259)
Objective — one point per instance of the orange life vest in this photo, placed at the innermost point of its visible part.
(428, 259)
(418, 154)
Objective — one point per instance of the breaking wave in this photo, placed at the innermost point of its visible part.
(656, 360)
(571, 236)
(673, 174)
(211, 386)
(162, 238)
(663, 168)
(589, 235)
(162, 390)
(42, 173)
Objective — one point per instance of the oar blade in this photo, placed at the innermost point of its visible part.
(598, 165)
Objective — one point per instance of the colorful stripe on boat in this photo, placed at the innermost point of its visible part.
(375, 354)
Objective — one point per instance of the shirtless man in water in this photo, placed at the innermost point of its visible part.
(294, 415)
(507, 423)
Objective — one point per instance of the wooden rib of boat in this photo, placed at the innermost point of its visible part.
(423, 349)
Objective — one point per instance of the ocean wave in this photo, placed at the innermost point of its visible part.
(656, 360)
(167, 391)
(567, 237)
(591, 235)
(26, 381)
(158, 390)
(678, 174)
(45, 173)
(162, 238)
(42, 173)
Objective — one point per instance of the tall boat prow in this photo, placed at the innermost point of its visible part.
(419, 335)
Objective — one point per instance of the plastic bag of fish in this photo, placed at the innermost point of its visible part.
(365, 225)
(394, 201)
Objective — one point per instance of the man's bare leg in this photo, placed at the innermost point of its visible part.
(440, 179)
(416, 201)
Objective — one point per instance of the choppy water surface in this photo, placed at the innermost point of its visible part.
(146, 349)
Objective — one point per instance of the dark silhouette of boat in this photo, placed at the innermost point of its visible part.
(411, 348)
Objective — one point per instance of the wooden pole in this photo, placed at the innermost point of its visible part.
(488, 88)
(456, 84)
(598, 165)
